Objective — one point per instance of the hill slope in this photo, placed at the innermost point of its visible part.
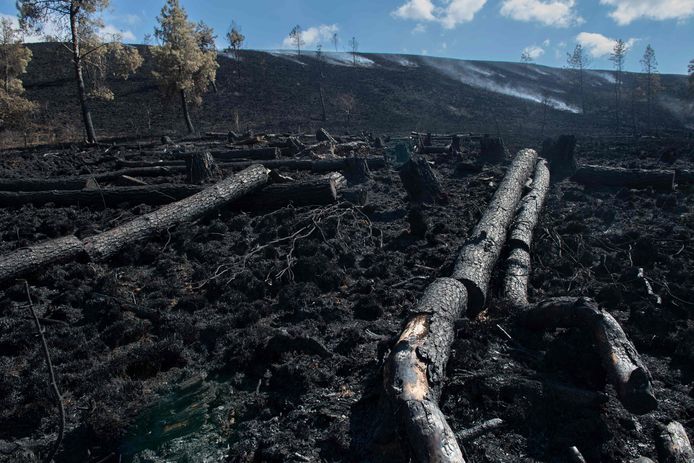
(386, 93)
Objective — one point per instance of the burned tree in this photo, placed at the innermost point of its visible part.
(235, 39)
(354, 48)
(106, 59)
(578, 61)
(183, 66)
(618, 56)
(649, 66)
(296, 35)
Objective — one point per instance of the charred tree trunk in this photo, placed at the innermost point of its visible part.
(30, 260)
(476, 260)
(150, 194)
(492, 150)
(322, 103)
(673, 445)
(186, 113)
(323, 135)
(79, 75)
(314, 193)
(518, 263)
(256, 154)
(109, 243)
(560, 154)
(357, 170)
(455, 144)
(625, 368)
(200, 167)
(420, 181)
(627, 178)
(415, 370)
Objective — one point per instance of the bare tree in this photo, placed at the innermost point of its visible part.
(354, 47)
(346, 102)
(320, 76)
(691, 74)
(649, 66)
(618, 57)
(184, 63)
(335, 39)
(86, 45)
(297, 37)
(578, 61)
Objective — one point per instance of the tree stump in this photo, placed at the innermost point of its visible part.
(419, 223)
(378, 143)
(455, 145)
(420, 181)
(357, 170)
(166, 140)
(560, 154)
(323, 135)
(492, 150)
(200, 167)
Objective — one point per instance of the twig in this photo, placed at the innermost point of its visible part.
(54, 384)
(478, 430)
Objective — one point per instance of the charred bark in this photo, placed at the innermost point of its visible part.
(624, 367)
(420, 181)
(34, 258)
(560, 154)
(258, 154)
(492, 150)
(415, 370)
(673, 444)
(186, 113)
(149, 194)
(627, 178)
(521, 236)
(200, 167)
(79, 75)
(357, 170)
(478, 256)
(313, 193)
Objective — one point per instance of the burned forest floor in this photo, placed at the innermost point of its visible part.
(260, 336)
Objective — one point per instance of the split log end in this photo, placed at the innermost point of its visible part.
(637, 393)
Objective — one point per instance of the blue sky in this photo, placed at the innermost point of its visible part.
(467, 29)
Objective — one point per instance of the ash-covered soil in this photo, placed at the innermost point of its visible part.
(259, 337)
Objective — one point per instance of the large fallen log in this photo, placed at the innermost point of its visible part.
(415, 370)
(673, 444)
(625, 368)
(312, 193)
(480, 252)
(627, 178)
(149, 194)
(316, 165)
(518, 262)
(259, 154)
(104, 245)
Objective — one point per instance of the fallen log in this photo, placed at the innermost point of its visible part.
(624, 367)
(415, 369)
(476, 260)
(521, 236)
(684, 177)
(312, 193)
(433, 149)
(104, 245)
(627, 178)
(258, 154)
(673, 445)
(148, 194)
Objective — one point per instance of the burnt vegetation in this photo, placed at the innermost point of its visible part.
(288, 257)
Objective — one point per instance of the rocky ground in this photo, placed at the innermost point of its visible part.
(260, 336)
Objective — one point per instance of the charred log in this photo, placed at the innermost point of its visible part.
(34, 258)
(627, 178)
(415, 369)
(476, 260)
(518, 263)
(312, 193)
(673, 444)
(625, 368)
(259, 154)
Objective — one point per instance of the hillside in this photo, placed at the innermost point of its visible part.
(387, 93)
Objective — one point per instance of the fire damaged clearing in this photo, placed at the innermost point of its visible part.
(273, 298)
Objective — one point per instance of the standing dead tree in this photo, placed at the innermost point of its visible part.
(104, 58)
(618, 56)
(354, 48)
(296, 35)
(578, 61)
(649, 66)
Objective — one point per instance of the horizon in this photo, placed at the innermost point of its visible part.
(457, 29)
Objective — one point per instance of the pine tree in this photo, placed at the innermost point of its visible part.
(649, 66)
(578, 61)
(618, 57)
(185, 63)
(354, 46)
(297, 37)
(235, 39)
(90, 54)
(14, 59)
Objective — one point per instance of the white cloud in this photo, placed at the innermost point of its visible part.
(599, 45)
(534, 52)
(418, 10)
(313, 35)
(626, 11)
(448, 13)
(419, 29)
(557, 13)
